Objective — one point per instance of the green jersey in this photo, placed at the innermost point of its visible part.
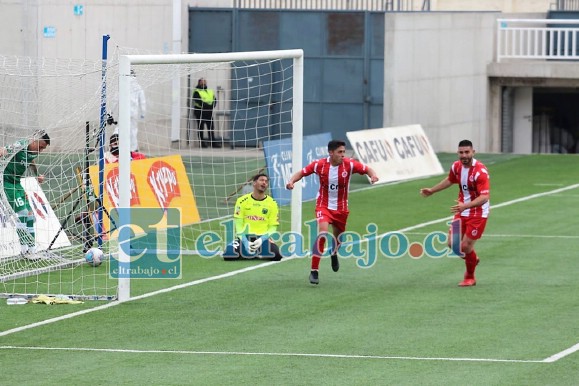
(20, 161)
(259, 215)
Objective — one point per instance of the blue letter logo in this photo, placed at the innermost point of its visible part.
(151, 239)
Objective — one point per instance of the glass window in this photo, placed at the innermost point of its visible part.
(345, 34)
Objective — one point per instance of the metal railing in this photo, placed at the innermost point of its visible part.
(565, 5)
(537, 39)
(341, 5)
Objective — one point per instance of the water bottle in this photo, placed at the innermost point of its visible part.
(16, 300)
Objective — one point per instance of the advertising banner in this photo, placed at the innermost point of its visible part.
(155, 183)
(278, 159)
(396, 153)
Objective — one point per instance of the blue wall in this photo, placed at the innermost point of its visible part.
(344, 57)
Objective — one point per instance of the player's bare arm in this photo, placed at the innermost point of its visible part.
(460, 206)
(34, 168)
(436, 188)
(372, 174)
(3, 151)
(293, 179)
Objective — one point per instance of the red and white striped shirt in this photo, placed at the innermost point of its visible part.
(473, 182)
(334, 181)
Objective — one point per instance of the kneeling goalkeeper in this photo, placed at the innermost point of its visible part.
(256, 218)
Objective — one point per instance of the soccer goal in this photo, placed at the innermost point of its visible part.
(61, 98)
(199, 174)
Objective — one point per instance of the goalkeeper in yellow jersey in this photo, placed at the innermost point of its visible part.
(256, 218)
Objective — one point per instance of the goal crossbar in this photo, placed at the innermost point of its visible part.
(211, 58)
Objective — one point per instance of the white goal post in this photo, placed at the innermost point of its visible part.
(187, 165)
(128, 63)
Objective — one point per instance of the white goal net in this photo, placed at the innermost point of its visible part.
(174, 166)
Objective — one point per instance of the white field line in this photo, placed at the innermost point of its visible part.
(149, 294)
(271, 354)
(247, 269)
(532, 196)
(510, 236)
(562, 354)
(506, 203)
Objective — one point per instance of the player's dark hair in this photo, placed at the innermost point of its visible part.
(46, 138)
(334, 144)
(256, 177)
(465, 142)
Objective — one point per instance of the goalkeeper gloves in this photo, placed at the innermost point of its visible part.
(255, 245)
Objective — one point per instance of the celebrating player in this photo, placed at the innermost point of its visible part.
(334, 173)
(256, 218)
(472, 207)
(22, 155)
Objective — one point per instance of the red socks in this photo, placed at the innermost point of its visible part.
(317, 253)
(470, 260)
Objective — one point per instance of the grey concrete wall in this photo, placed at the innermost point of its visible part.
(435, 63)
(143, 26)
(435, 75)
(146, 26)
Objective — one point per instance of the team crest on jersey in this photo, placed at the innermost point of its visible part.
(471, 178)
(264, 211)
(344, 174)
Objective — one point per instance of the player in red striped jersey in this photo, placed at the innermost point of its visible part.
(472, 206)
(334, 173)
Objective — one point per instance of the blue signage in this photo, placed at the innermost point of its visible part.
(78, 9)
(49, 32)
(278, 159)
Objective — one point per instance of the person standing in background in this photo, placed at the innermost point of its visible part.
(204, 101)
(138, 110)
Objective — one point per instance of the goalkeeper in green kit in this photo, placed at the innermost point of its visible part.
(18, 158)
